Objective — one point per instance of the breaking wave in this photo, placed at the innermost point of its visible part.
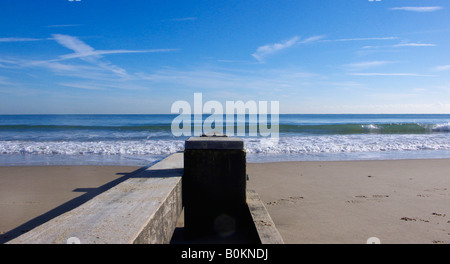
(283, 145)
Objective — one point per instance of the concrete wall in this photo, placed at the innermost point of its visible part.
(142, 209)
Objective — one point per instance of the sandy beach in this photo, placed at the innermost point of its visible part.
(32, 195)
(402, 201)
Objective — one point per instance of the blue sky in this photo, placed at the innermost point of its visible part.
(313, 56)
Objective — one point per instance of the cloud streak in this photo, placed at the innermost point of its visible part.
(89, 54)
(418, 8)
(83, 50)
(400, 45)
(263, 51)
(366, 64)
(3, 81)
(363, 39)
(260, 81)
(96, 67)
(442, 68)
(59, 26)
(414, 45)
(312, 39)
(104, 52)
(389, 74)
(180, 19)
(86, 53)
(18, 39)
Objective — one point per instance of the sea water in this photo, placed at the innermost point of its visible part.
(145, 139)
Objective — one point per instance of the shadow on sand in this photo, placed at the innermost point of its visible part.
(89, 194)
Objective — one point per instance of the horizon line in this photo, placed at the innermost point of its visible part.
(237, 114)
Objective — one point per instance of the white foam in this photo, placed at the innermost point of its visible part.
(152, 147)
(350, 143)
(441, 127)
(371, 127)
(283, 145)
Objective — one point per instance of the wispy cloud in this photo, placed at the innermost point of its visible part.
(83, 50)
(83, 86)
(389, 74)
(73, 43)
(58, 26)
(363, 39)
(399, 45)
(180, 19)
(442, 68)
(92, 64)
(259, 81)
(8, 63)
(312, 39)
(18, 39)
(104, 52)
(263, 51)
(3, 81)
(86, 53)
(365, 65)
(414, 45)
(418, 8)
(104, 85)
(89, 54)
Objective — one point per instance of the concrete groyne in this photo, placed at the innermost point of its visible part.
(145, 208)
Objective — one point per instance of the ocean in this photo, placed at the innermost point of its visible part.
(144, 139)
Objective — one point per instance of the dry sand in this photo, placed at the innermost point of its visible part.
(404, 201)
(32, 195)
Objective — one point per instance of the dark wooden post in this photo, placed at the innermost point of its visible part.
(214, 186)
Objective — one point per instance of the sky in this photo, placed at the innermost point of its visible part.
(141, 56)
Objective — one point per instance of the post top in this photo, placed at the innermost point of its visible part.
(214, 142)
